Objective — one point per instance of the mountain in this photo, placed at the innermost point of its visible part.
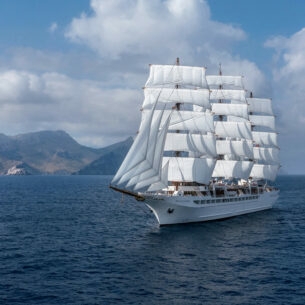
(45, 152)
(110, 161)
(56, 152)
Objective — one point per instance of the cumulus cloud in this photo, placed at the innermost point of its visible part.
(151, 29)
(289, 79)
(289, 53)
(54, 101)
(137, 32)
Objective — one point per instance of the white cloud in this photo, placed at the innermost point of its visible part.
(53, 27)
(290, 53)
(289, 92)
(138, 32)
(151, 28)
(289, 77)
(54, 101)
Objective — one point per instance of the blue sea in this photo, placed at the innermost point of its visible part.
(72, 240)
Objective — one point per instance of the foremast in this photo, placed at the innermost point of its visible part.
(177, 153)
(190, 149)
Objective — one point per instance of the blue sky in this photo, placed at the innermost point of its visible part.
(25, 22)
(260, 19)
(80, 65)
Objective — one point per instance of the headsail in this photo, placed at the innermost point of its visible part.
(144, 159)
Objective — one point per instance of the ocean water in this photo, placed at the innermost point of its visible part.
(72, 240)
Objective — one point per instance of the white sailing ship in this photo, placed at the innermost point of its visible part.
(204, 150)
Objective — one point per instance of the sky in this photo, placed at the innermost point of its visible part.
(80, 66)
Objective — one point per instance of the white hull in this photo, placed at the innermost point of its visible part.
(184, 209)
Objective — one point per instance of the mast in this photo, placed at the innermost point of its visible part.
(177, 86)
(220, 156)
(177, 153)
(250, 112)
(220, 87)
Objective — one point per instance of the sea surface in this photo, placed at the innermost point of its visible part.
(72, 240)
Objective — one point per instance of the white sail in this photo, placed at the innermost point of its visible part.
(260, 106)
(225, 80)
(203, 145)
(266, 155)
(232, 169)
(233, 129)
(143, 161)
(161, 183)
(263, 171)
(198, 97)
(239, 110)
(263, 120)
(265, 138)
(238, 101)
(192, 121)
(189, 169)
(152, 173)
(138, 149)
(162, 75)
(265, 151)
(146, 158)
(228, 94)
(241, 148)
(187, 120)
(232, 118)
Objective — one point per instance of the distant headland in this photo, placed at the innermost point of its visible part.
(57, 153)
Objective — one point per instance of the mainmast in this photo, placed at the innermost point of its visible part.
(177, 86)
(220, 88)
(177, 153)
(250, 112)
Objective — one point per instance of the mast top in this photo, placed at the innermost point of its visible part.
(177, 86)
(220, 72)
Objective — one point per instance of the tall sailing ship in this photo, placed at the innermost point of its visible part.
(204, 150)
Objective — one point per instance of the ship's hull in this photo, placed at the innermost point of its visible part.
(184, 209)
